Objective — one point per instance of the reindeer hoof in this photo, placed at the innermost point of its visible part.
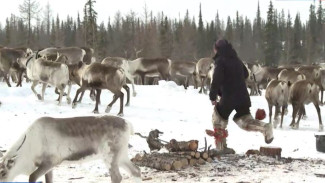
(127, 104)
(108, 109)
(74, 105)
(134, 94)
(92, 97)
(321, 128)
(95, 112)
(304, 117)
(296, 126)
(120, 114)
(39, 97)
(69, 100)
(276, 123)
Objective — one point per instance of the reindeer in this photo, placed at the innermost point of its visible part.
(48, 72)
(266, 74)
(304, 92)
(9, 64)
(251, 81)
(50, 141)
(290, 76)
(74, 54)
(322, 81)
(277, 94)
(122, 63)
(146, 66)
(203, 66)
(183, 71)
(100, 76)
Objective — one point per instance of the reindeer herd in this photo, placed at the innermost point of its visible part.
(49, 141)
(61, 67)
(297, 85)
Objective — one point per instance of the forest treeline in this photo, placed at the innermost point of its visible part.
(281, 38)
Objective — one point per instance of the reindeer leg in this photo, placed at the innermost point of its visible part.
(303, 111)
(98, 91)
(20, 75)
(68, 94)
(133, 88)
(7, 80)
(74, 103)
(321, 128)
(49, 177)
(276, 116)
(121, 95)
(294, 114)
(128, 166)
(202, 84)
(61, 94)
(109, 106)
(270, 113)
(81, 96)
(34, 91)
(282, 115)
(113, 167)
(296, 126)
(43, 90)
(127, 95)
(321, 98)
(41, 170)
(142, 75)
(92, 95)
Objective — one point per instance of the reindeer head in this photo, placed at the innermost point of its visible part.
(5, 166)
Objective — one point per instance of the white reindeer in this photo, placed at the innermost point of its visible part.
(50, 141)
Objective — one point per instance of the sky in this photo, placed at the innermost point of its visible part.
(171, 8)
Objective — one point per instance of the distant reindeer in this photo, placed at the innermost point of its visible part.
(50, 141)
(301, 93)
(277, 94)
(100, 76)
(122, 63)
(183, 71)
(48, 72)
(203, 67)
(266, 74)
(251, 80)
(290, 76)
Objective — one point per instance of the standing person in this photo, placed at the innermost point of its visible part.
(229, 83)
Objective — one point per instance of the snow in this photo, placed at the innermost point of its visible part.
(180, 114)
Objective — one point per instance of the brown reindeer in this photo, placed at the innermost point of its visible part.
(100, 76)
(9, 63)
(290, 76)
(203, 67)
(277, 94)
(301, 93)
(147, 66)
(266, 74)
(183, 72)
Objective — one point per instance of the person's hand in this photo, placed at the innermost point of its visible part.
(213, 102)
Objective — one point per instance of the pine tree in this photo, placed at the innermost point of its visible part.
(312, 36)
(258, 35)
(229, 30)
(270, 47)
(296, 48)
(29, 10)
(90, 23)
(201, 42)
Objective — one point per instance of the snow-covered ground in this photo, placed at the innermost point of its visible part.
(180, 114)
